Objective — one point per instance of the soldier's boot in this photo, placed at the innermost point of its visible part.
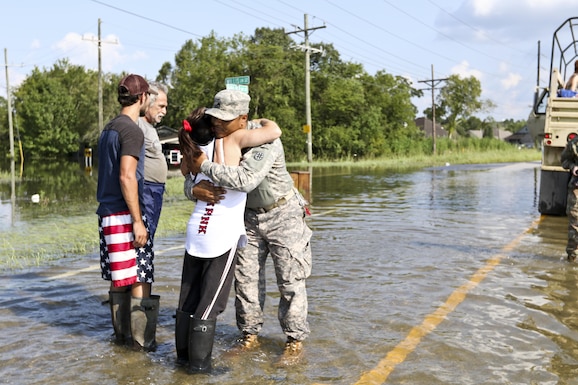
(292, 353)
(143, 320)
(243, 344)
(201, 338)
(182, 325)
(120, 315)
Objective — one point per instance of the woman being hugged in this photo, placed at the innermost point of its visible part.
(216, 228)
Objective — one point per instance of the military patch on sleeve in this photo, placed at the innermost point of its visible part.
(259, 155)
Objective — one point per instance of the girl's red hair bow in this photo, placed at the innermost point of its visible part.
(186, 126)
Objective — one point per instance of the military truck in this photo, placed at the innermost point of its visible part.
(553, 120)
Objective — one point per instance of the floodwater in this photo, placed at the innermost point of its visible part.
(438, 276)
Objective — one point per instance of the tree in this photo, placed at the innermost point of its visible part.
(473, 123)
(513, 125)
(199, 73)
(389, 97)
(488, 127)
(55, 109)
(278, 85)
(460, 99)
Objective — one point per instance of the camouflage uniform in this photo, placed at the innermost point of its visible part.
(569, 160)
(275, 224)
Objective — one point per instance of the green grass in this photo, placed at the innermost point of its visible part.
(4, 176)
(420, 161)
(50, 239)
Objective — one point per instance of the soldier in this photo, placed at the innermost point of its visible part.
(275, 224)
(569, 160)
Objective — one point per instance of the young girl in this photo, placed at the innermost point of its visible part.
(214, 232)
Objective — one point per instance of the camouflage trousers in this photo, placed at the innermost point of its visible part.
(572, 212)
(283, 234)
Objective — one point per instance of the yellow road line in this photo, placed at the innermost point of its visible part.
(379, 374)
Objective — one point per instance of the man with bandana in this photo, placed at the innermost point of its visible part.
(275, 224)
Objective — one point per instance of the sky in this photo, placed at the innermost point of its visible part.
(494, 40)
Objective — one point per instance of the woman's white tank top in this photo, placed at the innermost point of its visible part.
(213, 229)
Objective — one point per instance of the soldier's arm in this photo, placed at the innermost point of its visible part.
(188, 187)
(253, 168)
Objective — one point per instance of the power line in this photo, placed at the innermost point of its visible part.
(146, 18)
(391, 33)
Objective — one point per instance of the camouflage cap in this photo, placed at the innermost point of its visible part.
(229, 104)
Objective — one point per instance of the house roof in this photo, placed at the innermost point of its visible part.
(168, 135)
(426, 126)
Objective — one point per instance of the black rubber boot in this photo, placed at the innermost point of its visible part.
(120, 315)
(144, 315)
(201, 337)
(182, 322)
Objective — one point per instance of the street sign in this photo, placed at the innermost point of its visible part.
(238, 87)
(238, 80)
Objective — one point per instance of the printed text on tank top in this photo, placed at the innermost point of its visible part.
(205, 218)
(210, 206)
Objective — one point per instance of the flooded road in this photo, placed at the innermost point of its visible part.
(440, 276)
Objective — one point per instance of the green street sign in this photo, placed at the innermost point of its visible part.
(238, 80)
(239, 87)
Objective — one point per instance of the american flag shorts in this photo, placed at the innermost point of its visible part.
(120, 261)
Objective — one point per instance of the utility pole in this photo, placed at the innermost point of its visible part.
(9, 106)
(433, 83)
(100, 107)
(305, 47)
(537, 78)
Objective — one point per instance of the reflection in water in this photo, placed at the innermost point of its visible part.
(561, 293)
(389, 248)
(12, 192)
(64, 189)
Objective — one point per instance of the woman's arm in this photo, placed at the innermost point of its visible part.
(268, 132)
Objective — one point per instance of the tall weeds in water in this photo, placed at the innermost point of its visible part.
(463, 151)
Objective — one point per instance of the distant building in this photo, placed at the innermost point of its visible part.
(501, 134)
(169, 138)
(497, 133)
(426, 125)
(521, 138)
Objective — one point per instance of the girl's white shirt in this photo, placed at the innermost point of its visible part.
(214, 229)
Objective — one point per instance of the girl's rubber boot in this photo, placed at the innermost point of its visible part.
(182, 323)
(201, 337)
